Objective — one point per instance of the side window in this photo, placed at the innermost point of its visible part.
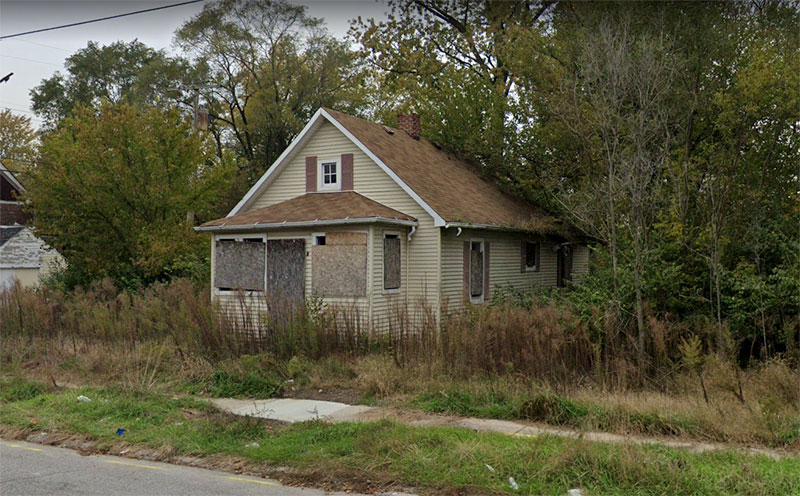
(330, 175)
(391, 261)
(530, 256)
(239, 264)
(476, 270)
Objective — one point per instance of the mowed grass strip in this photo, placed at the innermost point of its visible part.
(432, 459)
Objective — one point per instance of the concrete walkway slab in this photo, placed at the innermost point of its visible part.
(298, 410)
(290, 410)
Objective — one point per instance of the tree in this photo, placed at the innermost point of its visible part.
(617, 101)
(18, 141)
(453, 63)
(120, 71)
(115, 186)
(270, 67)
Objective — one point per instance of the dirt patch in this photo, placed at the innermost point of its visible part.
(340, 395)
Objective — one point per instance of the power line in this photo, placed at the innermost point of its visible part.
(43, 45)
(30, 60)
(23, 111)
(99, 19)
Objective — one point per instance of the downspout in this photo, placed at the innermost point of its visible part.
(408, 267)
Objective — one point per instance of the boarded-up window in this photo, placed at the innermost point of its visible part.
(286, 273)
(339, 267)
(239, 264)
(391, 261)
(476, 270)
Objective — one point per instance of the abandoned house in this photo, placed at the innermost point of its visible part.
(378, 218)
(24, 257)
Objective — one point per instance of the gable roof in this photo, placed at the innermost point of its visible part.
(11, 178)
(452, 187)
(20, 248)
(346, 207)
(447, 188)
(6, 233)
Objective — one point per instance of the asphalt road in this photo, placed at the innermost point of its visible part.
(33, 469)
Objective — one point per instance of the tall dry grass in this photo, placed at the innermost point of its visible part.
(548, 342)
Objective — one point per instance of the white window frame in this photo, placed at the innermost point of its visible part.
(314, 237)
(241, 238)
(337, 186)
(535, 267)
(482, 297)
(383, 267)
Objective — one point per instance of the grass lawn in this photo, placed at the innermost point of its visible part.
(431, 459)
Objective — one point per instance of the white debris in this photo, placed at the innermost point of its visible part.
(253, 445)
(489, 468)
(513, 484)
(574, 492)
(83, 399)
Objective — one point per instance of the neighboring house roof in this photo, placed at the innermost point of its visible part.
(313, 208)
(6, 233)
(447, 188)
(11, 177)
(20, 248)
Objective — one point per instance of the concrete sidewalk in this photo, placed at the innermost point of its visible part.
(292, 410)
(298, 410)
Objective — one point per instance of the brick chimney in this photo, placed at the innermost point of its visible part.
(410, 123)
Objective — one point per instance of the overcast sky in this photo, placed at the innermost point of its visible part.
(37, 56)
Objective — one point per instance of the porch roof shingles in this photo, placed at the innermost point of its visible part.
(313, 207)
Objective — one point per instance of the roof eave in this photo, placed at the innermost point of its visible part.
(494, 227)
(314, 223)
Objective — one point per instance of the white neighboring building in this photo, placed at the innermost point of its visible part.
(24, 257)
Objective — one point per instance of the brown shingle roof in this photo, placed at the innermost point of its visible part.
(449, 185)
(314, 207)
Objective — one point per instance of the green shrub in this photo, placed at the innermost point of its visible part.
(18, 389)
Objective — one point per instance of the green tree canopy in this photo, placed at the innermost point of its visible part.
(270, 67)
(18, 141)
(129, 71)
(115, 185)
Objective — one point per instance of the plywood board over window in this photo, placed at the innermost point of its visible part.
(339, 267)
(286, 269)
(239, 264)
(476, 269)
(391, 261)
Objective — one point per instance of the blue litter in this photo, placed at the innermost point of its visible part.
(120, 432)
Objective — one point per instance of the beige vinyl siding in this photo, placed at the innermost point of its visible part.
(421, 275)
(386, 304)
(246, 309)
(504, 263)
(580, 262)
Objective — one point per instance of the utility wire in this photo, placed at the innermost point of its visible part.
(30, 60)
(43, 45)
(99, 19)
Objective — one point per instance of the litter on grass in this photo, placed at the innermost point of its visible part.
(83, 399)
(513, 484)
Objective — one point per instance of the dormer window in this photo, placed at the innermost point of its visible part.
(330, 175)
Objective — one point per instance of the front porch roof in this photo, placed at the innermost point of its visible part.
(310, 210)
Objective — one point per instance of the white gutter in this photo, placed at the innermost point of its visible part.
(491, 227)
(313, 223)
